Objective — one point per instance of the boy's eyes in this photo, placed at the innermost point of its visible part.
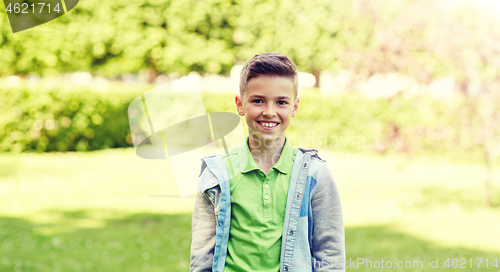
(258, 101)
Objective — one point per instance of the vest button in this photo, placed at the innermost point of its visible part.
(291, 232)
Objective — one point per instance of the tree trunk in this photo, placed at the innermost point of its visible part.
(316, 75)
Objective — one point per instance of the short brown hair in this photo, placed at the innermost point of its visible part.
(268, 64)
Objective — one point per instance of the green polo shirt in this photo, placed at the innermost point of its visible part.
(258, 204)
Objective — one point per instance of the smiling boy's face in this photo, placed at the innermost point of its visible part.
(268, 104)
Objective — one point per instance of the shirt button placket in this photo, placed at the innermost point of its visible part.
(267, 196)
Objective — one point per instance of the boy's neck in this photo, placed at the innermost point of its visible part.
(266, 154)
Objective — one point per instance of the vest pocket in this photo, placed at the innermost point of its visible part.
(212, 195)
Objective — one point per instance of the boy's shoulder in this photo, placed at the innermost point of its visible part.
(313, 152)
(214, 159)
(233, 157)
(318, 169)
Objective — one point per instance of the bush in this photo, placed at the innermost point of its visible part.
(354, 122)
(79, 120)
(63, 120)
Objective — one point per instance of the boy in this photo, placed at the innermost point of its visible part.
(267, 206)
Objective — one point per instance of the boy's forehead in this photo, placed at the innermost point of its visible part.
(280, 85)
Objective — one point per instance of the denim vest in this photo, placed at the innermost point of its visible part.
(297, 243)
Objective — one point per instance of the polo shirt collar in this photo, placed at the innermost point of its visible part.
(247, 163)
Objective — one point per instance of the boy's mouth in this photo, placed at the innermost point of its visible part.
(268, 125)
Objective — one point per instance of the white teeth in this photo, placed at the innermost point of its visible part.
(269, 124)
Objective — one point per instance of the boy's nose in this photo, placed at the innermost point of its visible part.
(269, 111)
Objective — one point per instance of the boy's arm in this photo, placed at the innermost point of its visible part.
(328, 226)
(203, 232)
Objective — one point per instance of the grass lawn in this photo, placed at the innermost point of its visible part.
(104, 211)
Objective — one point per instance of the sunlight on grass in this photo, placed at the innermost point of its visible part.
(431, 199)
(107, 210)
(111, 179)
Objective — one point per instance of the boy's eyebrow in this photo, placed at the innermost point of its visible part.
(261, 96)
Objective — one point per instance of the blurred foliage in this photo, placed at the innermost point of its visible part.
(400, 124)
(63, 120)
(114, 37)
(424, 39)
(67, 120)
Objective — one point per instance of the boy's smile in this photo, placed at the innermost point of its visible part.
(268, 104)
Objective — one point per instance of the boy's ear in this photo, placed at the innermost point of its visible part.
(295, 106)
(239, 105)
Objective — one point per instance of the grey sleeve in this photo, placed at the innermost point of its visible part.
(328, 226)
(203, 234)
